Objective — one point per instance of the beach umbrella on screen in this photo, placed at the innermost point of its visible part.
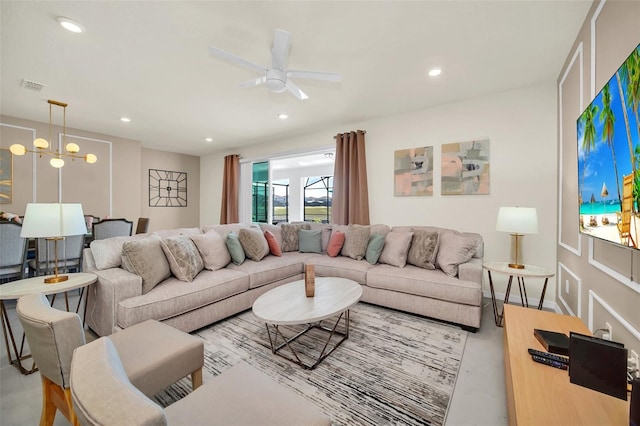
(604, 193)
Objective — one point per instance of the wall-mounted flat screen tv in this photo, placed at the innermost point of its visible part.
(609, 158)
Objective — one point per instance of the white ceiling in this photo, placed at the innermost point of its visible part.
(149, 61)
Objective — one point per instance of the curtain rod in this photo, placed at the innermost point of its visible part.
(364, 132)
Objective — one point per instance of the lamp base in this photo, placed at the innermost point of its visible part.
(516, 266)
(56, 279)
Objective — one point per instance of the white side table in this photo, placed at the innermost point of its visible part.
(16, 289)
(529, 271)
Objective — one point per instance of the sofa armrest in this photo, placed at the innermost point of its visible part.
(471, 271)
(113, 286)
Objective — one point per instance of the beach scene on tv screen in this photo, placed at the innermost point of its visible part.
(609, 158)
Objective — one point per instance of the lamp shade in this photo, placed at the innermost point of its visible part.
(517, 220)
(44, 220)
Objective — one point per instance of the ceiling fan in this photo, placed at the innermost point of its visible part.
(277, 77)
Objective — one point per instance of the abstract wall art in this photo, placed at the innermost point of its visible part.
(465, 168)
(413, 171)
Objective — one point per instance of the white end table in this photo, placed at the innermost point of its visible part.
(16, 289)
(529, 271)
(288, 305)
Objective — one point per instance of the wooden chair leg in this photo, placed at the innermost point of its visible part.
(55, 398)
(196, 379)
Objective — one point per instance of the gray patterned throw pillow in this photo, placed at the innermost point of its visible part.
(183, 256)
(290, 235)
(424, 249)
(356, 240)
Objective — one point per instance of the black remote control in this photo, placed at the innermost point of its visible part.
(552, 357)
(547, 361)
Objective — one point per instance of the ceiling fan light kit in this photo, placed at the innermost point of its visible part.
(276, 78)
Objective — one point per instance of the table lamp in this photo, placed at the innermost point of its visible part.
(53, 222)
(517, 221)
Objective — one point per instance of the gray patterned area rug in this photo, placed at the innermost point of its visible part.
(395, 368)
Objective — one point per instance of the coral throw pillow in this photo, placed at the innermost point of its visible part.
(274, 247)
(335, 243)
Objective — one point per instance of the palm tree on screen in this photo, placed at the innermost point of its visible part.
(608, 120)
(589, 135)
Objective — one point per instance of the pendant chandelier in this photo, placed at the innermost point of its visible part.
(43, 147)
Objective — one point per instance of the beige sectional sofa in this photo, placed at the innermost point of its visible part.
(170, 285)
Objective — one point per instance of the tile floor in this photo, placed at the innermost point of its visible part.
(479, 396)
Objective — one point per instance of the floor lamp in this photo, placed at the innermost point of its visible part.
(53, 222)
(517, 221)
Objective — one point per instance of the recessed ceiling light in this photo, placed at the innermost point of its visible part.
(208, 139)
(283, 116)
(434, 72)
(70, 25)
(125, 119)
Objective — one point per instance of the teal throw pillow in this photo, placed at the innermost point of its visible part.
(374, 248)
(309, 241)
(235, 248)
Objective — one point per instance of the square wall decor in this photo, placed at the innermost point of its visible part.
(465, 168)
(167, 188)
(413, 171)
(6, 176)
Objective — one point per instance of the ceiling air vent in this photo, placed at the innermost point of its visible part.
(32, 85)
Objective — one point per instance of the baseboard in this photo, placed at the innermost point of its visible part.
(515, 298)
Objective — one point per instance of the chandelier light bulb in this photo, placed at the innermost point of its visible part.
(41, 143)
(90, 158)
(17, 149)
(56, 162)
(72, 148)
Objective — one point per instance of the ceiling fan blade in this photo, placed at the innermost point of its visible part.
(254, 82)
(297, 92)
(280, 49)
(223, 54)
(315, 75)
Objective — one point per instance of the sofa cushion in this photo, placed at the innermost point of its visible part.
(335, 243)
(427, 283)
(145, 258)
(213, 250)
(290, 235)
(272, 241)
(355, 241)
(374, 248)
(309, 241)
(253, 243)
(396, 247)
(187, 232)
(341, 266)
(455, 248)
(424, 248)
(235, 248)
(107, 253)
(379, 229)
(276, 230)
(183, 256)
(172, 297)
(223, 230)
(271, 269)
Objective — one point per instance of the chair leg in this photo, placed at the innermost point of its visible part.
(55, 398)
(196, 379)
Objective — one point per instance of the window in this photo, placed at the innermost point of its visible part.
(259, 192)
(280, 191)
(318, 195)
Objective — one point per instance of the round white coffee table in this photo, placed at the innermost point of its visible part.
(288, 305)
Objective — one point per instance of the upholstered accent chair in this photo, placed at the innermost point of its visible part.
(108, 228)
(241, 395)
(14, 251)
(154, 355)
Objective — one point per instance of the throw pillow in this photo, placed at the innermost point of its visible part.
(455, 249)
(424, 249)
(309, 241)
(396, 247)
(335, 243)
(183, 256)
(272, 241)
(374, 248)
(290, 236)
(235, 249)
(355, 242)
(213, 250)
(145, 258)
(253, 243)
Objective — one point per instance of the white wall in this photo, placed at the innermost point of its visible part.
(521, 125)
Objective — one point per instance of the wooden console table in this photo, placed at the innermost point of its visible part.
(541, 395)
